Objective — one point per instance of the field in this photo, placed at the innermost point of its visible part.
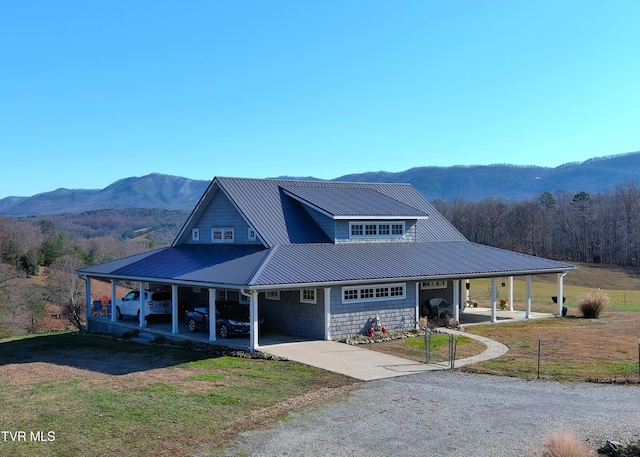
(103, 397)
(571, 348)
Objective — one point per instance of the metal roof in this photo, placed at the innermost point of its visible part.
(202, 264)
(322, 263)
(280, 219)
(353, 262)
(342, 202)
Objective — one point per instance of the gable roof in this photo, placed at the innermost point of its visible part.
(274, 207)
(353, 203)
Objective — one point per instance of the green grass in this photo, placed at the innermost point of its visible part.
(620, 284)
(189, 404)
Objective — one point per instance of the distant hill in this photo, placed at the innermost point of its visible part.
(470, 183)
(155, 191)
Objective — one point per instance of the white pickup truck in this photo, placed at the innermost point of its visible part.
(156, 304)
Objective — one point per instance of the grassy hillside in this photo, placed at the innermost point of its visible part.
(622, 285)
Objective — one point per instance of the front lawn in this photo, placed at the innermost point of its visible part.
(95, 396)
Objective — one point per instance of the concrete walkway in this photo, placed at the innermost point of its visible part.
(366, 365)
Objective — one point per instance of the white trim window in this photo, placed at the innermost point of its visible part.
(195, 234)
(251, 234)
(378, 292)
(272, 295)
(222, 235)
(375, 229)
(308, 296)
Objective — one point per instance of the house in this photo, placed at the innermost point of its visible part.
(317, 259)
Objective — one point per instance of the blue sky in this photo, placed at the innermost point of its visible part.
(95, 91)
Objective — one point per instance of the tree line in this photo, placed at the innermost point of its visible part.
(603, 227)
(42, 248)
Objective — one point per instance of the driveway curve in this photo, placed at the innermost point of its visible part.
(449, 413)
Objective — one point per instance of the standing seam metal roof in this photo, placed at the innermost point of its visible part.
(279, 219)
(318, 263)
(353, 202)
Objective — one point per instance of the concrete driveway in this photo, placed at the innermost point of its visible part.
(364, 364)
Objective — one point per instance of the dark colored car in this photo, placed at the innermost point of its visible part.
(232, 318)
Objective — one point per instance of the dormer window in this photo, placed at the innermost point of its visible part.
(222, 235)
(376, 229)
(195, 234)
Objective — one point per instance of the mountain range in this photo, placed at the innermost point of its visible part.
(469, 183)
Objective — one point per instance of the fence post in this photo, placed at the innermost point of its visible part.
(427, 346)
(539, 346)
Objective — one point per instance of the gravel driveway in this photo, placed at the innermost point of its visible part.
(450, 413)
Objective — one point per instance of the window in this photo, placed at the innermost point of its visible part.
(368, 293)
(222, 295)
(433, 285)
(222, 235)
(382, 292)
(349, 295)
(251, 235)
(272, 295)
(397, 291)
(308, 296)
(376, 230)
(195, 234)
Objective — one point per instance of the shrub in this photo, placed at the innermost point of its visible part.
(592, 304)
(564, 444)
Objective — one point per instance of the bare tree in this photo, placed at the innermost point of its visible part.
(21, 306)
(64, 287)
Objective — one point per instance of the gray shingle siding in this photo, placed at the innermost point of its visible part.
(327, 224)
(221, 213)
(289, 315)
(349, 319)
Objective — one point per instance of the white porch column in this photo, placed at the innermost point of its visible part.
(113, 300)
(143, 319)
(510, 293)
(527, 313)
(467, 291)
(174, 309)
(212, 315)
(417, 305)
(560, 292)
(456, 299)
(87, 302)
(327, 313)
(253, 318)
(494, 297)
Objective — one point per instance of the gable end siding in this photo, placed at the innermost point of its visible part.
(222, 214)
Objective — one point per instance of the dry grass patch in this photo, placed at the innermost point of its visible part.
(575, 349)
